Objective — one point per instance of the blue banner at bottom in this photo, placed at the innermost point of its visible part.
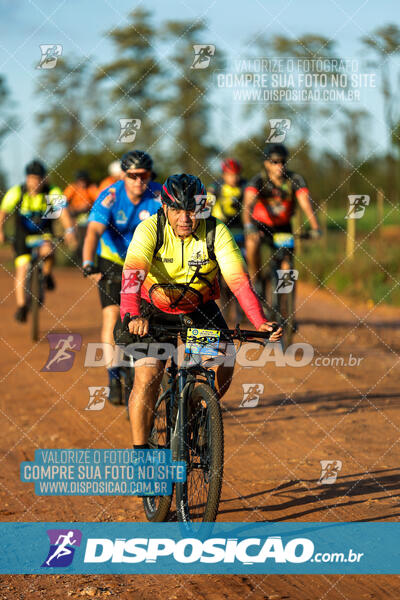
(224, 548)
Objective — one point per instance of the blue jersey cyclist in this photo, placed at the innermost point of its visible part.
(116, 213)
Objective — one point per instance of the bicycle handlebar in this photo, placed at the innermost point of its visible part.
(235, 334)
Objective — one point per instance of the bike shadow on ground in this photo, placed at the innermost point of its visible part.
(318, 498)
(333, 401)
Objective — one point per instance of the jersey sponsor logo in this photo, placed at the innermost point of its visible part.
(144, 214)
(198, 259)
(121, 218)
(164, 259)
(109, 200)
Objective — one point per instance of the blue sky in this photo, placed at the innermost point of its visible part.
(80, 26)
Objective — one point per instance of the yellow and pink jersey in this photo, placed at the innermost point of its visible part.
(181, 276)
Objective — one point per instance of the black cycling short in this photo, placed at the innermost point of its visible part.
(269, 231)
(110, 284)
(19, 244)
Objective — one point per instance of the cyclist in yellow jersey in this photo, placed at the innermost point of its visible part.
(171, 269)
(229, 197)
(228, 192)
(35, 206)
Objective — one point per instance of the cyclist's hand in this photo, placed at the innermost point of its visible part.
(139, 326)
(91, 272)
(276, 336)
(315, 234)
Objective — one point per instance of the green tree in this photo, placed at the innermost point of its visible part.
(187, 104)
(63, 92)
(384, 43)
(131, 80)
(8, 122)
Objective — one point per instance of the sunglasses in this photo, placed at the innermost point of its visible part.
(141, 176)
(279, 161)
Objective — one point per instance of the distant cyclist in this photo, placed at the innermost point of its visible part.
(114, 217)
(270, 201)
(34, 205)
(80, 196)
(229, 192)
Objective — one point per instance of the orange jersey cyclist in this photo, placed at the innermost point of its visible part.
(171, 269)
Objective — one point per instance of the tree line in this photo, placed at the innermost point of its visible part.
(151, 80)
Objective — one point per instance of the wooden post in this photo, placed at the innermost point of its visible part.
(380, 210)
(350, 237)
(323, 219)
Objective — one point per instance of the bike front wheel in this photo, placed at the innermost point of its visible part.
(197, 499)
(157, 508)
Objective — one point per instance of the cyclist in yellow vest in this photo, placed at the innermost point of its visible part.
(35, 204)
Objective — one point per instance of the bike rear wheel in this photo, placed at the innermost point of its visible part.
(157, 507)
(197, 499)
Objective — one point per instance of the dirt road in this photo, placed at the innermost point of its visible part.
(273, 451)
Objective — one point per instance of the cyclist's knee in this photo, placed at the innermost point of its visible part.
(46, 249)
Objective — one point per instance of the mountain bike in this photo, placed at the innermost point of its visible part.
(34, 282)
(278, 284)
(188, 421)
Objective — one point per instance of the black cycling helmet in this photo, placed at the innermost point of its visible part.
(179, 191)
(136, 159)
(36, 168)
(278, 150)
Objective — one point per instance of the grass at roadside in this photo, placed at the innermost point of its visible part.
(372, 275)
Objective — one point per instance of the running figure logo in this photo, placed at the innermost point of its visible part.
(133, 279)
(251, 394)
(128, 130)
(279, 129)
(204, 205)
(62, 351)
(286, 280)
(329, 471)
(97, 397)
(63, 543)
(50, 54)
(202, 55)
(55, 204)
(357, 206)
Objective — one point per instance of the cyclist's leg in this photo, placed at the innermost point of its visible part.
(109, 299)
(148, 375)
(46, 252)
(21, 269)
(22, 260)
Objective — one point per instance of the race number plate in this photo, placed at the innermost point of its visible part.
(283, 240)
(202, 341)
